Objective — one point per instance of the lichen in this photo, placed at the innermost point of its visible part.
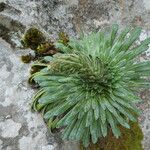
(129, 140)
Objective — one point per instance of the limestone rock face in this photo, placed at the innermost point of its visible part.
(20, 129)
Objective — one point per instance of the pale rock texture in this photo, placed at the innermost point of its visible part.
(9, 128)
(21, 129)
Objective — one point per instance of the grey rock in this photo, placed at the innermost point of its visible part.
(9, 128)
(53, 16)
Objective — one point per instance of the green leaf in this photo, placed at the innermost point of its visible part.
(133, 37)
(89, 118)
(86, 137)
(88, 105)
(123, 111)
(103, 128)
(63, 122)
(117, 45)
(47, 98)
(113, 33)
(62, 47)
(114, 128)
(75, 129)
(102, 115)
(137, 51)
(81, 129)
(58, 110)
(93, 130)
(48, 58)
(68, 130)
(96, 109)
(142, 65)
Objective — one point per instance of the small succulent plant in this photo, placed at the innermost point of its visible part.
(92, 87)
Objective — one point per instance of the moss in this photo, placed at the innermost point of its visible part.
(46, 48)
(129, 140)
(26, 58)
(63, 38)
(33, 38)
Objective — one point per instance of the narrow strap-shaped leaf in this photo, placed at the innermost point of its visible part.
(36, 98)
(134, 35)
(102, 114)
(102, 102)
(78, 106)
(88, 105)
(114, 128)
(141, 65)
(94, 131)
(75, 45)
(89, 118)
(75, 129)
(96, 109)
(137, 51)
(113, 33)
(113, 111)
(117, 45)
(46, 99)
(125, 94)
(124, 33)
(81, 129)
(103, 128)
(122, 102)
(57, 110)
(81, 114)
(86, 137)
(62, 121)
(67, 130)
(123, 111)
(75, 97)
(110, 107)
(140, 84)
(63, 48)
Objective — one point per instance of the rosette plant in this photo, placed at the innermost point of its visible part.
(91, 88)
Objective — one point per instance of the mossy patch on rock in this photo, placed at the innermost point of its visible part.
(26, 58)
(32, 38)
(46, 48)
(63, 38)
(35, 40)
(129, 140)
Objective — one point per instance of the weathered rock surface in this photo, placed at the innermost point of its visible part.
(20, 129)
